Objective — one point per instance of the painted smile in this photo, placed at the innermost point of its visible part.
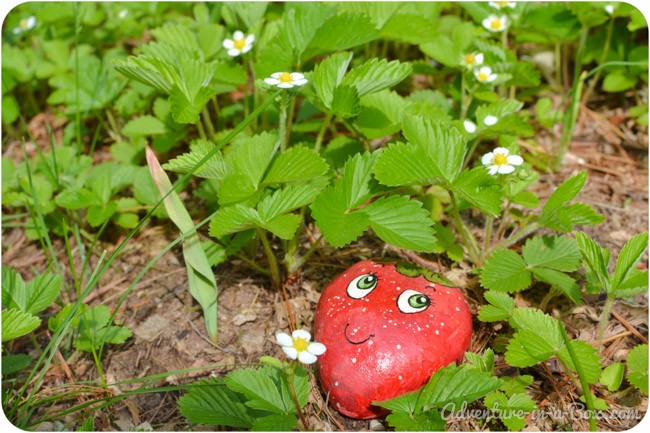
(345, 332)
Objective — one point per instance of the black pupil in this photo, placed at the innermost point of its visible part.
(367, 282)
(418, 301)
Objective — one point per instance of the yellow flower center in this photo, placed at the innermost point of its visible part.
(500, 159)
(470, 59)
(495, 24)
(285, 77)
(482, 76)
(24, 24)
(502, 4)
(239, 43)
(300, 344)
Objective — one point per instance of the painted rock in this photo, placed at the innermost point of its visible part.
(387, 328)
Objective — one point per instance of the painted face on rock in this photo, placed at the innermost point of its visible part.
(387, 327)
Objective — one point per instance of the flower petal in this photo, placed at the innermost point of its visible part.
(228, 44)
(295, 76)
(501, 150)
(285, 85)
(505, 169)
(284, 339)
(492, 78)
(515, 160)
(250, 39)
(277, 75)
(291, 352)
(306, 357)
(490, 120)
(493, 170)
(272, 81)
(487, 158)
(478, 59)
(301, 333)
(316, 348)
(469, 126)
(299, 82)
(238, 35)
(234, 52)
(246, 48)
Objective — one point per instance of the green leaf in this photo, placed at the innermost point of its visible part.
(446, 146)
(407, 402)
(612, 376)
(186, 109)
(95, 330)
(505, 271)
(381, 114)
(484, 363)
(596, 259)
(345, 102)
(344, 31)
(427, 421)
(500, 308)
(77, 199)
(628, 258)
(144, 125)
(286, 200)
(251, 13)
(562, 281)
(556, 252)
(283, 226)
(402, 222)
(406, 164)
(201, 281)
(499, 109)
(260, 390)
(55, 322)
(452, 386)
(589, 359)
(511, 410)
(211, 402)
(97, 215)
(516, 385)
(147, 70)
(575, 214)
(375, 75)
(330, 210)
(479, 189)
(442, 49)
(279, 422)
(537, 338)
(357, 183)
(16, 323)
(41, 292)
(296, 164)
(14, 290)
(328, 74)
(232, 219)
(618, 81)
(637, 366)
(635, 283)
(251, 156)
(12, 364)
(556, 215)
(213, 168)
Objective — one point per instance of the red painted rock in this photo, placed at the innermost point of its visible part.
(387, 328)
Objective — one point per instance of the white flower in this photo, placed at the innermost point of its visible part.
(490, 120)
(500, 161)
(239, 44)
(472, 59)
(503, 5)
(469, 126)
(25, 24)
(123, 13)
(496, 23)
(286, 80)
(298, 346)
(609, 9)
(485, 75)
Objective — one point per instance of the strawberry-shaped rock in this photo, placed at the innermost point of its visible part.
(387, 328)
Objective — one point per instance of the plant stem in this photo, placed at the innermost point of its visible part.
(205, 114)
(199, 126)
(290, 372)
(577, 363)
(273, 262)
(282, 127)
(603, 57)
(321, 133)
(289, 120)
(570, 119)
(465, 235)
(488, 232)
(604, 318)
(516, 237)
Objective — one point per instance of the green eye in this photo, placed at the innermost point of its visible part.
(411, 301)
(362, 285)
(419, 301)
(367, 282)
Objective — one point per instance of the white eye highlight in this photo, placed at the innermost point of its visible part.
(411, 301)
(362, 285)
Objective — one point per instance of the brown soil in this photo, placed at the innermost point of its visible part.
(168, 331)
